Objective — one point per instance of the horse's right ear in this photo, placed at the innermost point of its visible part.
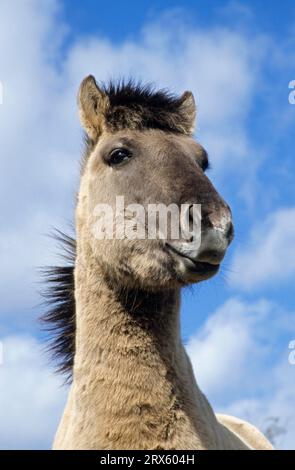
(93, 103)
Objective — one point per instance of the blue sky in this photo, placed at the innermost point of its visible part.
(238, 59)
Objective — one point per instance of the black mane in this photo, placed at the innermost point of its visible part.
(132, 94)
(59, 320)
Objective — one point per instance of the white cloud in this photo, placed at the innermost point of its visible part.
(39, 145)
(31, 397)
(221, 347)
(240, 359)
(269, 258)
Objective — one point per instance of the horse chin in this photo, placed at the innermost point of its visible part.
(199, 271)
(192, 271)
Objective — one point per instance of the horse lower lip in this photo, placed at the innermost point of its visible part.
(201, 267)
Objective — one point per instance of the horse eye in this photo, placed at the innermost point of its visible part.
(206, 166)
(204, 163)
(203, 160)
(118, 156)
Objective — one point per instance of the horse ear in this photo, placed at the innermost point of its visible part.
(93, 103)
(188, 111)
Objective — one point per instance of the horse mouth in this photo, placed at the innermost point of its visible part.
(196, 270)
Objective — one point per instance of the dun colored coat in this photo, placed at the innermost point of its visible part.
(115, 311)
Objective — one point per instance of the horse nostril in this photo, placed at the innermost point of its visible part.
(230, 232)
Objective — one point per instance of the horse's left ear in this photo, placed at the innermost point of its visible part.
(188, 111)
(93, 103)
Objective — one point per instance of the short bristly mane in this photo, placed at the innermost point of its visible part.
(132, 106)
(138, 106)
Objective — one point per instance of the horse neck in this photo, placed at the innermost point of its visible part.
(133, 385)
